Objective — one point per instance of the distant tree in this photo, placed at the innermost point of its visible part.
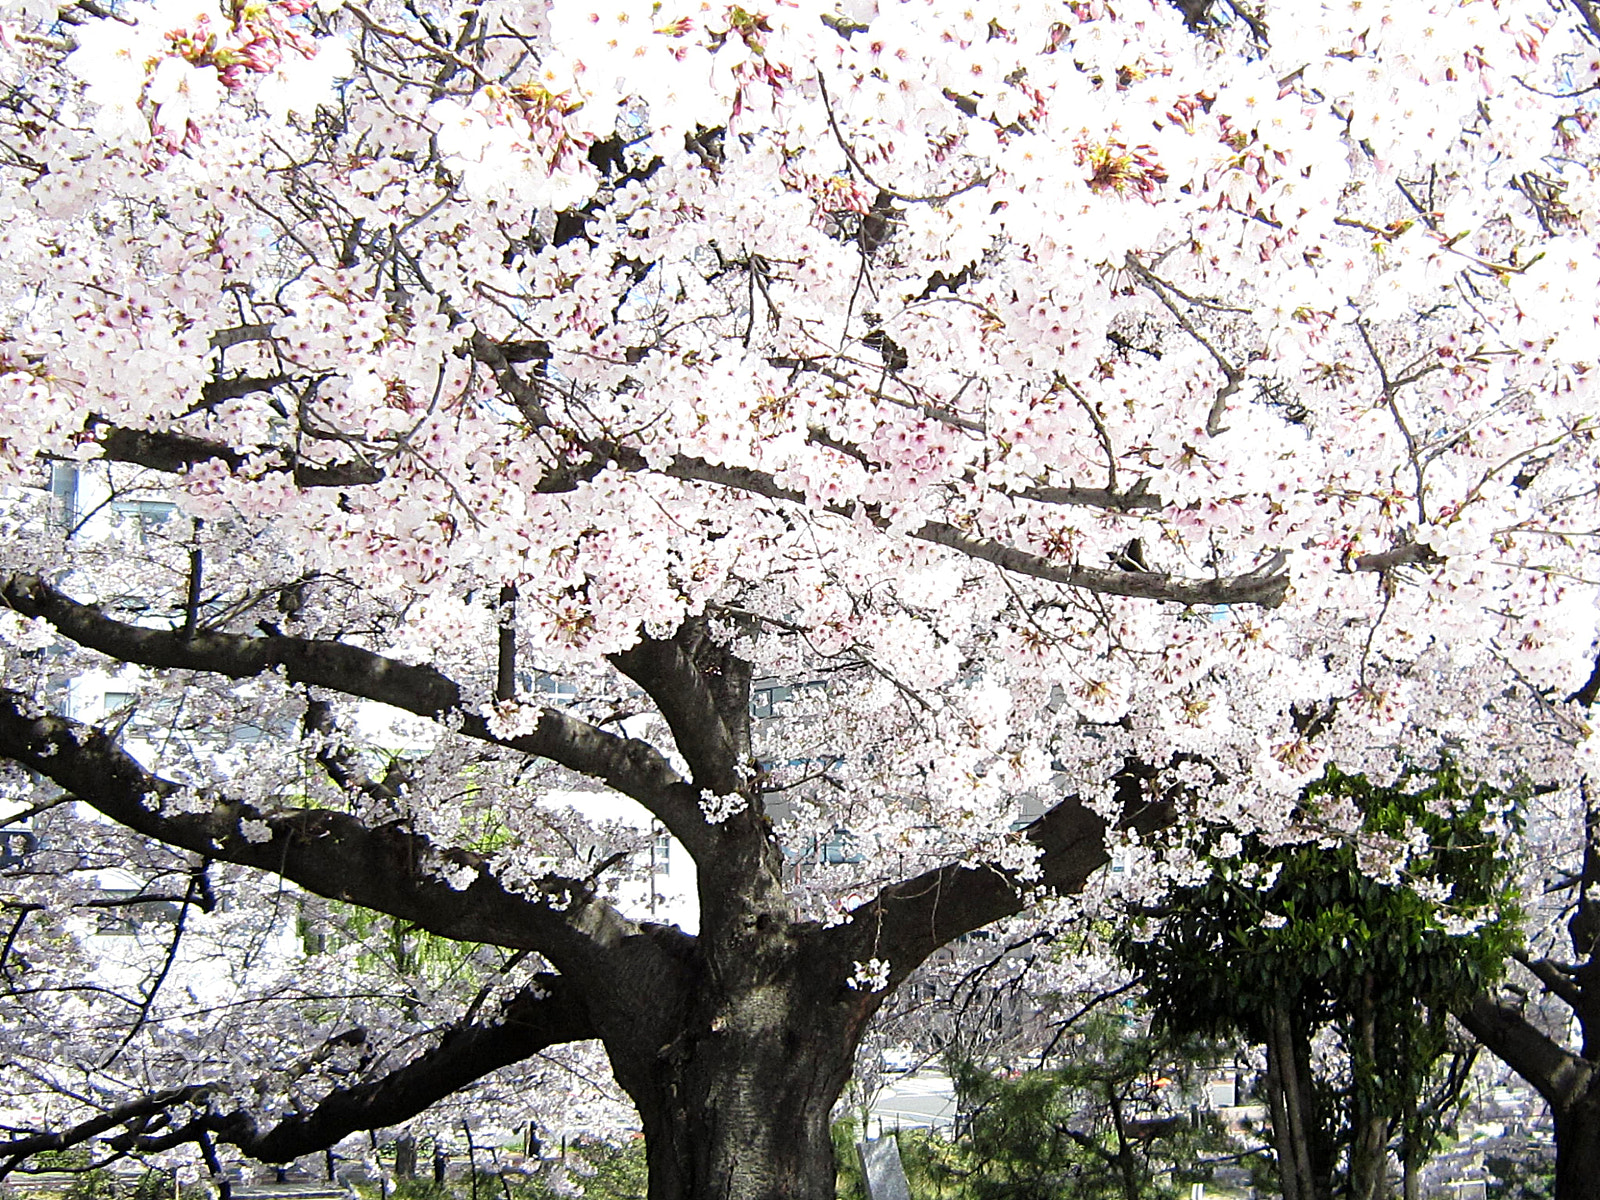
(1568, 1079)
(1526, 1176)
(1100, 1126)
(1278, 943)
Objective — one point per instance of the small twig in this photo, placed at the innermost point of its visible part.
(432, 47)
(1389, 389)
(43, 806)
(23, 911)
(161, 976)
(1044, 1054)
(191, 609)
(1100, 429)
(849, 153)
(1234, 376)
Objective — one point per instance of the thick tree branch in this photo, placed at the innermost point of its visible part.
(632, 767)
(216, 391)
(1559, 982)
(907, 921)
(346, 773)
(1406, 554)
(549, 1013)
(545, 1015)
(388, 869)
(667, 671)
(1558, 1075)
(1587, 694)
(1265, 586)
(18, 1148)
(223, 339)
(174, 453)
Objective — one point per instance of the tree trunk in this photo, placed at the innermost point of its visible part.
(405, 1156)
(1369, 1137)
(736, 1091)
(1369, 1159)
(1283, 1145)
(1293, 1113)
(1126, 1166)
(1569, 1083)
(1411, 1164)
(745, 1117)
(1578, 1148)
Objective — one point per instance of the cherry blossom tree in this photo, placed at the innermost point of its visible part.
(1560, 961)
(1113, 409)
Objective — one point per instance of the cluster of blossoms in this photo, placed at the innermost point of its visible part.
(870, 976)
(166, 70)
(718, 809)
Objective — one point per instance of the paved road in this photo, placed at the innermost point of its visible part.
(917, 1101)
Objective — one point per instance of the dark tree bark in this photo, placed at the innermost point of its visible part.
(734, 1044)
(405, 1157)
(1569, 1081)
(1578, 1149)
(1303, 1170)
(1127, 1166)
(1369, 1141)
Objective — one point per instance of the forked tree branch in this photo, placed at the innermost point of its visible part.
(632, 767)
(388, 869)
(547, 1013)
(1555, 979)
(1557, 1074)
(666, 670)
(909, 920)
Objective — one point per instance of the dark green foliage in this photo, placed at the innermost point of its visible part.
(619, 1170)
(1114, 1122)
(422, 1188)
(1019, 1142)
(152, 1185)
(1310, 928)
(1527, 1176)
(847, 1183)
(89, 1182)
(1211, 965)
(96, 1184)
(604, 1171)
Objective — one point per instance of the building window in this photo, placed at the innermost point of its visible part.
(115, 702)
(146, 517)
(548, 688)
(764, 701)
(64, 494)
(125, 920)
(15, 846)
